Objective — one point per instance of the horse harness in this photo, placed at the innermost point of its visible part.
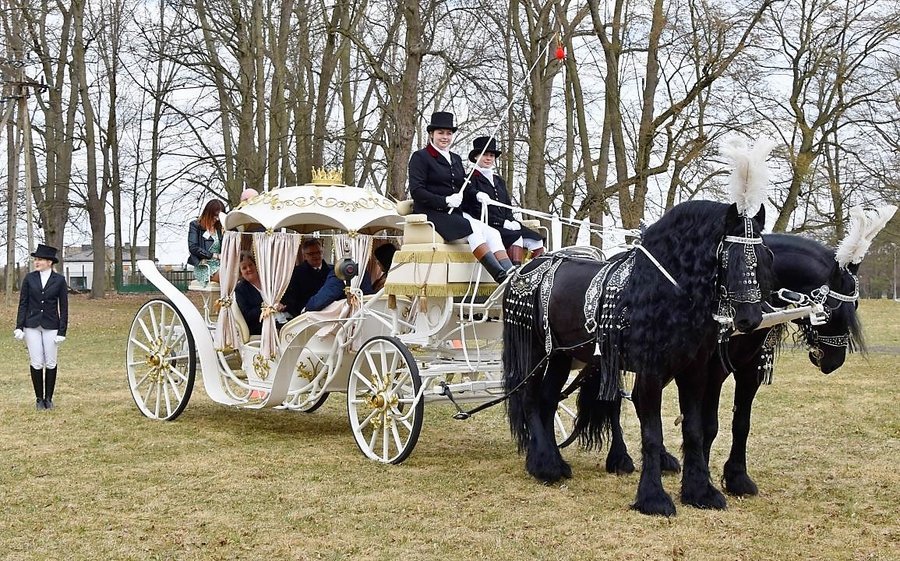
(814, 340)
(820, 296)
(748, 292)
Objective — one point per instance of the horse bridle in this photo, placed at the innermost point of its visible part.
(820, 296)
(748, 291)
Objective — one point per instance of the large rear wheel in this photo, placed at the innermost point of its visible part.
(160, 360)
(385, 414)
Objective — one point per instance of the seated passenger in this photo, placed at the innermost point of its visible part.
(380, 265)
(372, 281)
(308, 277)
(516, 238)
(248, 294)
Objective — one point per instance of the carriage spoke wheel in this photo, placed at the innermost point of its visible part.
(564, 420)
(383, 385)
(160, 360)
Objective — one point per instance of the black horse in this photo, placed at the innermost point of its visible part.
(808, 269)
(803, 266)
(632, 313)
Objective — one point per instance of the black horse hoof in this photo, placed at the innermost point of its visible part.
(708, 497)
(740, 485)
(669, 463)
(548, 471)
(737, 482)
(619, 465)
(661, 505)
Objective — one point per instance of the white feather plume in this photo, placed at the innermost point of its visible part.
(863, 229)
(749, 177)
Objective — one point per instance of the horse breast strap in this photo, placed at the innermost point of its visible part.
(603, 294)
(519, 309)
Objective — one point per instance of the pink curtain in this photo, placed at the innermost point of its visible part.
(227, 334)
(276, 255)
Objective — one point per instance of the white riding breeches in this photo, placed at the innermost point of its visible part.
(482, 233)
(41, 346)
(528, 243)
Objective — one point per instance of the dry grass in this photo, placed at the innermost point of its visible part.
(93, 479)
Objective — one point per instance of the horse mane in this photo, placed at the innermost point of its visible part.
(662, 317)
(819, 259)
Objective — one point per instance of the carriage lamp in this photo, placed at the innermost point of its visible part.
(346, 269)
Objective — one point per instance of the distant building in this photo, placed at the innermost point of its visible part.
(79, 263)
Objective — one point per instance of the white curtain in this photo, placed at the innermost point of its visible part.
(227, 334)
(276, 255)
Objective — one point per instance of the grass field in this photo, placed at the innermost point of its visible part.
(93, 479)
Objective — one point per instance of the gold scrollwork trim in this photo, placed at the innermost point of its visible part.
(366, 201)
(261, 366)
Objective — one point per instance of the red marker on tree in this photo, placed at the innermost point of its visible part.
(560, 52)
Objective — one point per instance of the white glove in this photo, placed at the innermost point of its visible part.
(511, 225)
(19, 334)
(454, 200)
(483, 197)
(60, 339)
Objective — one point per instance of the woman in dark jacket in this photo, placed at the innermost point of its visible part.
(42, 321)
(516, 238)
(436, 185)
(205, 242)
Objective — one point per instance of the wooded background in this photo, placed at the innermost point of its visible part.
(135, 112)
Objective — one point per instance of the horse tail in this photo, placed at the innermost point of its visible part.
(523, 350)
(596, 413)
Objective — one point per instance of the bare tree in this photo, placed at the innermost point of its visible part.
(831, 54)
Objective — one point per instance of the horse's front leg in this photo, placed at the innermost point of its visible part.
(735, 477)
(697, 488)
(651, 496)
(542, 458)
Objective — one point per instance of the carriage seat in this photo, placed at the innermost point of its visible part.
(427, 264)
(195, 285)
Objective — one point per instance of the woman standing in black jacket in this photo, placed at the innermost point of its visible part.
(436, 178)
(205, 242)
(42, 321)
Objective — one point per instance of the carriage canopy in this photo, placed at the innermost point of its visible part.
(313, 207)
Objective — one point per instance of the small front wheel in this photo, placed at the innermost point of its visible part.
(384, 401)
(160, 360)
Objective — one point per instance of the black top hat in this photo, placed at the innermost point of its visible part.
(45, 252)
(478, 147)
(441, 120)
(385, 254)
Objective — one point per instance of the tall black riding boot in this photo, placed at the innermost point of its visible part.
(493, 267)
(37, 380)
(51, 385)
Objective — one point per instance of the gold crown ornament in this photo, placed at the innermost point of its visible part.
(323, 176)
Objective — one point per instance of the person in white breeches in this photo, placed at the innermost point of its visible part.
(42, 321)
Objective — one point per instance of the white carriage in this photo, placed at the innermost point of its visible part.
(433, 332)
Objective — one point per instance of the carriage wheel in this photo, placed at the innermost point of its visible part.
(160, 360)
(564, 420)
(384, 382)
